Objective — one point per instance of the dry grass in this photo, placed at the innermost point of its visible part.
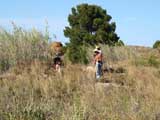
(31, 91)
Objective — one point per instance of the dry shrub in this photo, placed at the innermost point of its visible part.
(30, 90)
(74, 95)
(21, 45)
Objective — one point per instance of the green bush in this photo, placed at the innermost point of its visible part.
(157, 44)
(77, 54)
(120, 43)
(153, 61)
(140, 62)
(4, 65)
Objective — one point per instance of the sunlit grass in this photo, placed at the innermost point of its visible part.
(32, 91)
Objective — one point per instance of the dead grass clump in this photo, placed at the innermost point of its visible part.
(33, 91)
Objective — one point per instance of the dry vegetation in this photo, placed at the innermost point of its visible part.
(31, 91)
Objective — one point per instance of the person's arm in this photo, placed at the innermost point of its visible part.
(95, 59)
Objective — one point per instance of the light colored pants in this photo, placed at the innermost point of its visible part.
(98, 70)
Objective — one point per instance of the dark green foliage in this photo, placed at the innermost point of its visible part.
(37, 115)
(4, 65)
(120, 43)
(157, 44)
(92, 25)
(77, 54)
(88, 25)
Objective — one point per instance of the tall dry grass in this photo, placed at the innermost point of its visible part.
(21, 45)
(35, 95)
(34, 92)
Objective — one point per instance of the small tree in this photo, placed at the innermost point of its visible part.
(88, 25)
(157, 44)
(92, 25)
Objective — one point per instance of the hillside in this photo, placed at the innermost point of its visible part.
(128, 90)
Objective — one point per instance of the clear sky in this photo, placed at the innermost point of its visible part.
(137, 20)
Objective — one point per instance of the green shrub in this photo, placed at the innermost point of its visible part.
(141, 62)
(36, 115)
(120, 43)
(4, 65)
(157, 44)
(153, 61)
(77, 54)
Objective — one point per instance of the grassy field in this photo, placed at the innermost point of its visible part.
(31, 91)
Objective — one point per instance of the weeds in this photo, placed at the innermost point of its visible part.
(29, 91)
(151, 61)
(21, 45)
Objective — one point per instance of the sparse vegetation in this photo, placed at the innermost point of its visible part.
(32, 92)
(21, 45)
(150, 61)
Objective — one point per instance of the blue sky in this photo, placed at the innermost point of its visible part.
(137, 20)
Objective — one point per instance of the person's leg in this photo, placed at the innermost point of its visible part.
(98, 70)
(58, 68)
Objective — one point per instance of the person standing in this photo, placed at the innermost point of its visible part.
(57, 52)
(98, 61)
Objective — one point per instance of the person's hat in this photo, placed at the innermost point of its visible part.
(98, 47)
(96, 50)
